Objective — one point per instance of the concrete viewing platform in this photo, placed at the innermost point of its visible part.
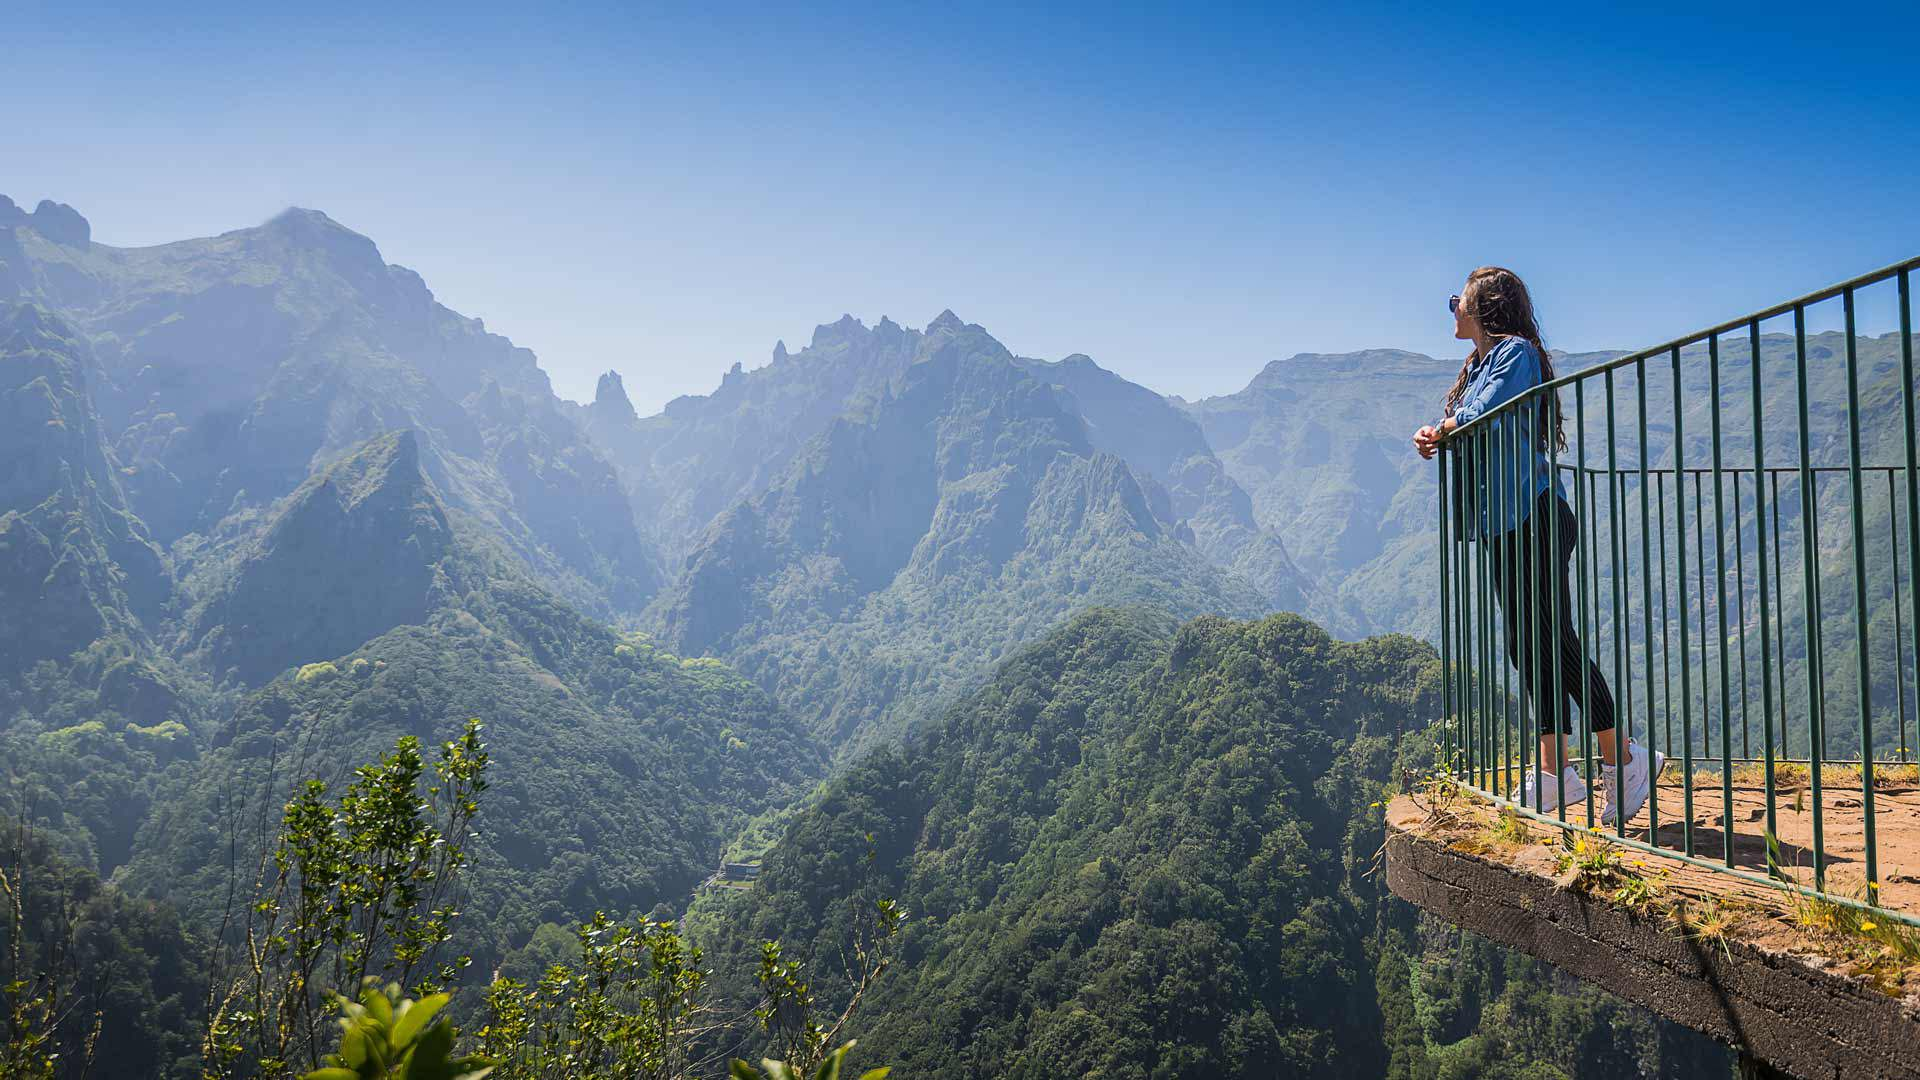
(1800, 986)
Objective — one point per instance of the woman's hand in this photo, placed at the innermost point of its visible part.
(1427, 439)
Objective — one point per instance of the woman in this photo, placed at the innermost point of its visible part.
(1521, 512)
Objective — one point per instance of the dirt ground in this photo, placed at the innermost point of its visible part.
(1842, 823)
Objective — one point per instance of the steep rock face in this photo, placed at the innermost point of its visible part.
(75, 565)
(853, 509)
(690, 463)
(1163, 444)
(1321, 444)
(568, 496)
(355, 551)
(914, 541)
(1320, 439)
(234, 367)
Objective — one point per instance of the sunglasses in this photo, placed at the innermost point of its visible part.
(1453, 304)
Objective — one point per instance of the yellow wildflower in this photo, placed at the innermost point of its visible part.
(1869, 925)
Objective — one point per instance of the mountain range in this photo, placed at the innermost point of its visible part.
(267, 506)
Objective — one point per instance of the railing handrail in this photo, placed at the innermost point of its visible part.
(1873, 278)
(1707, 470)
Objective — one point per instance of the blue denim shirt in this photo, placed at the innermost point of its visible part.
(1510, 369)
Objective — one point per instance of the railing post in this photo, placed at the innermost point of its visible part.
(1503, 495)
(1646, 600)
(1580, 551)
(1700, 558)
(1864, 661)
(1720, 583)
(1556, 557)
(1810, 589)
(1899, 646)
(1666, 621)
(1623, 694)
(1446, 615)
(1471, 589)
(1779, 611)
(1913, 477)
(1760, 563)
(1686, 654)
(1484, 445)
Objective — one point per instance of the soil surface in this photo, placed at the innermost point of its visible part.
(1841, 821)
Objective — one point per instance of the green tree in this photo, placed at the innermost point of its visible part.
(36, 1002)
(632, 1007)
(92, 983)
(637, 1007)
(358, 888)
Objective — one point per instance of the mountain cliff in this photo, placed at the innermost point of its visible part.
(356, 551)
(234, 367)
(1321, 444)
(700, 455)
(1168, 450)
(914, 541)
(76, 566)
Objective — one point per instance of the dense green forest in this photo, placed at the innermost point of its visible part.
(1139, 850)
(1142, 851)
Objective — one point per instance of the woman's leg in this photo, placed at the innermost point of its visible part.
(1583, 683)
(1553, 748)
(1530, 564)
(1526, 580)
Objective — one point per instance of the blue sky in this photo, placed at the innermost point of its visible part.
(1183, 193)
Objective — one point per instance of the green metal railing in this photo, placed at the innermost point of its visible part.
(1744, 570)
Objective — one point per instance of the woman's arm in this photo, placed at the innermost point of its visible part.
(1514, 368)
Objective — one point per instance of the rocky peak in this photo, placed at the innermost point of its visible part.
(58, 222)
(845, 328)
(946, 320)
(610, 399)
(1368, 363)
(311, 230)
(891, 335)
(61, 224)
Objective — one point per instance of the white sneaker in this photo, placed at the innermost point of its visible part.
(1643, 769)
(1549, 794)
